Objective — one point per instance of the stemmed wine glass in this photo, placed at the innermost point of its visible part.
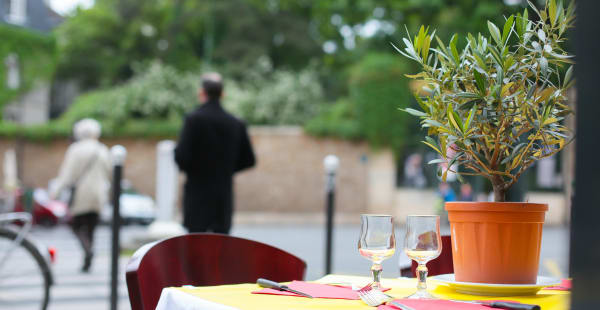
(422, 244)
(377, 242)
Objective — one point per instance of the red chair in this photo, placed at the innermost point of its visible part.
(441, 265)
(204, 259)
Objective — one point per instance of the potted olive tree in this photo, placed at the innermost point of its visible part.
(493, 109)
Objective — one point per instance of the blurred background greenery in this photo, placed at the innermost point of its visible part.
(324, 65)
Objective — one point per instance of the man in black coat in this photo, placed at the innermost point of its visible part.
(213, 145)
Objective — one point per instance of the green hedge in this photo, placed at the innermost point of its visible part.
(337, 120)
(61, 130)
(153, 103)
(87, 106)
(377, 89)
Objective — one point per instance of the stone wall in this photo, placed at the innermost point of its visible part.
(288, 183)
(289, 175)
(288, 178)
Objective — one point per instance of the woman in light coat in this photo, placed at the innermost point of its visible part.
(86, 167)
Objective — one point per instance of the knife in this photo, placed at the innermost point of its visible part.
(502, 305)
(399, 305)
(494, 304)
(274, 285)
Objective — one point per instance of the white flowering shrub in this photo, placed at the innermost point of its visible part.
(266, 96)
(277, 98)
(157, 92)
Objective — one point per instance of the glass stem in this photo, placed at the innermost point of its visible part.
(422, 278)
(376, 270)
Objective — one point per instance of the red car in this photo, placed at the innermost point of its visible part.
(45, 211)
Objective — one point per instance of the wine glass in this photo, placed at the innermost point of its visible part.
(422, 244)
(377, 242)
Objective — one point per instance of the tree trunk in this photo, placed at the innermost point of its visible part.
(499, 190)
(499, 194)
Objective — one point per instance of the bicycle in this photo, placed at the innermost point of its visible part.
(25, 274)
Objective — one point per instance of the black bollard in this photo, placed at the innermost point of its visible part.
(118, 155)
(331, 163)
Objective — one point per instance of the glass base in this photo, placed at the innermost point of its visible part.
(421, 295)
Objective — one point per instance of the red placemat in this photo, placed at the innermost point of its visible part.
(565, 285)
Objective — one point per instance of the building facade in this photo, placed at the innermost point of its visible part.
(32, 14)
(25, 95)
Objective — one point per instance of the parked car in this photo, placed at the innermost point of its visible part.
(134, 208)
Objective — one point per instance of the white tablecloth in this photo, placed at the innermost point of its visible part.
(173, 299)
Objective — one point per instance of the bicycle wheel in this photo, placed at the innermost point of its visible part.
(25, 276)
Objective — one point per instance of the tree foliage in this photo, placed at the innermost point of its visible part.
(496, 106)
(375, 90)
(105, 45)
(370, 111)
(100, 45)
(36, 58)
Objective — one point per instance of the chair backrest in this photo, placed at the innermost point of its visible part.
(441, 265)
(202, 259)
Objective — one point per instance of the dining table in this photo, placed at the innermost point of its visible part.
(241, 296)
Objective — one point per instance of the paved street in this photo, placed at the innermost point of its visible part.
(74, 290)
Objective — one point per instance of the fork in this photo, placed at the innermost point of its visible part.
(373, 297)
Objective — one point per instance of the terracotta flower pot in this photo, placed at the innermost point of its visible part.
(496, 242)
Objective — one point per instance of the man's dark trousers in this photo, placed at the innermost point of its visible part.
(208, 207)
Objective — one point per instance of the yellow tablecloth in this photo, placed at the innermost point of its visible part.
(239, 296)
